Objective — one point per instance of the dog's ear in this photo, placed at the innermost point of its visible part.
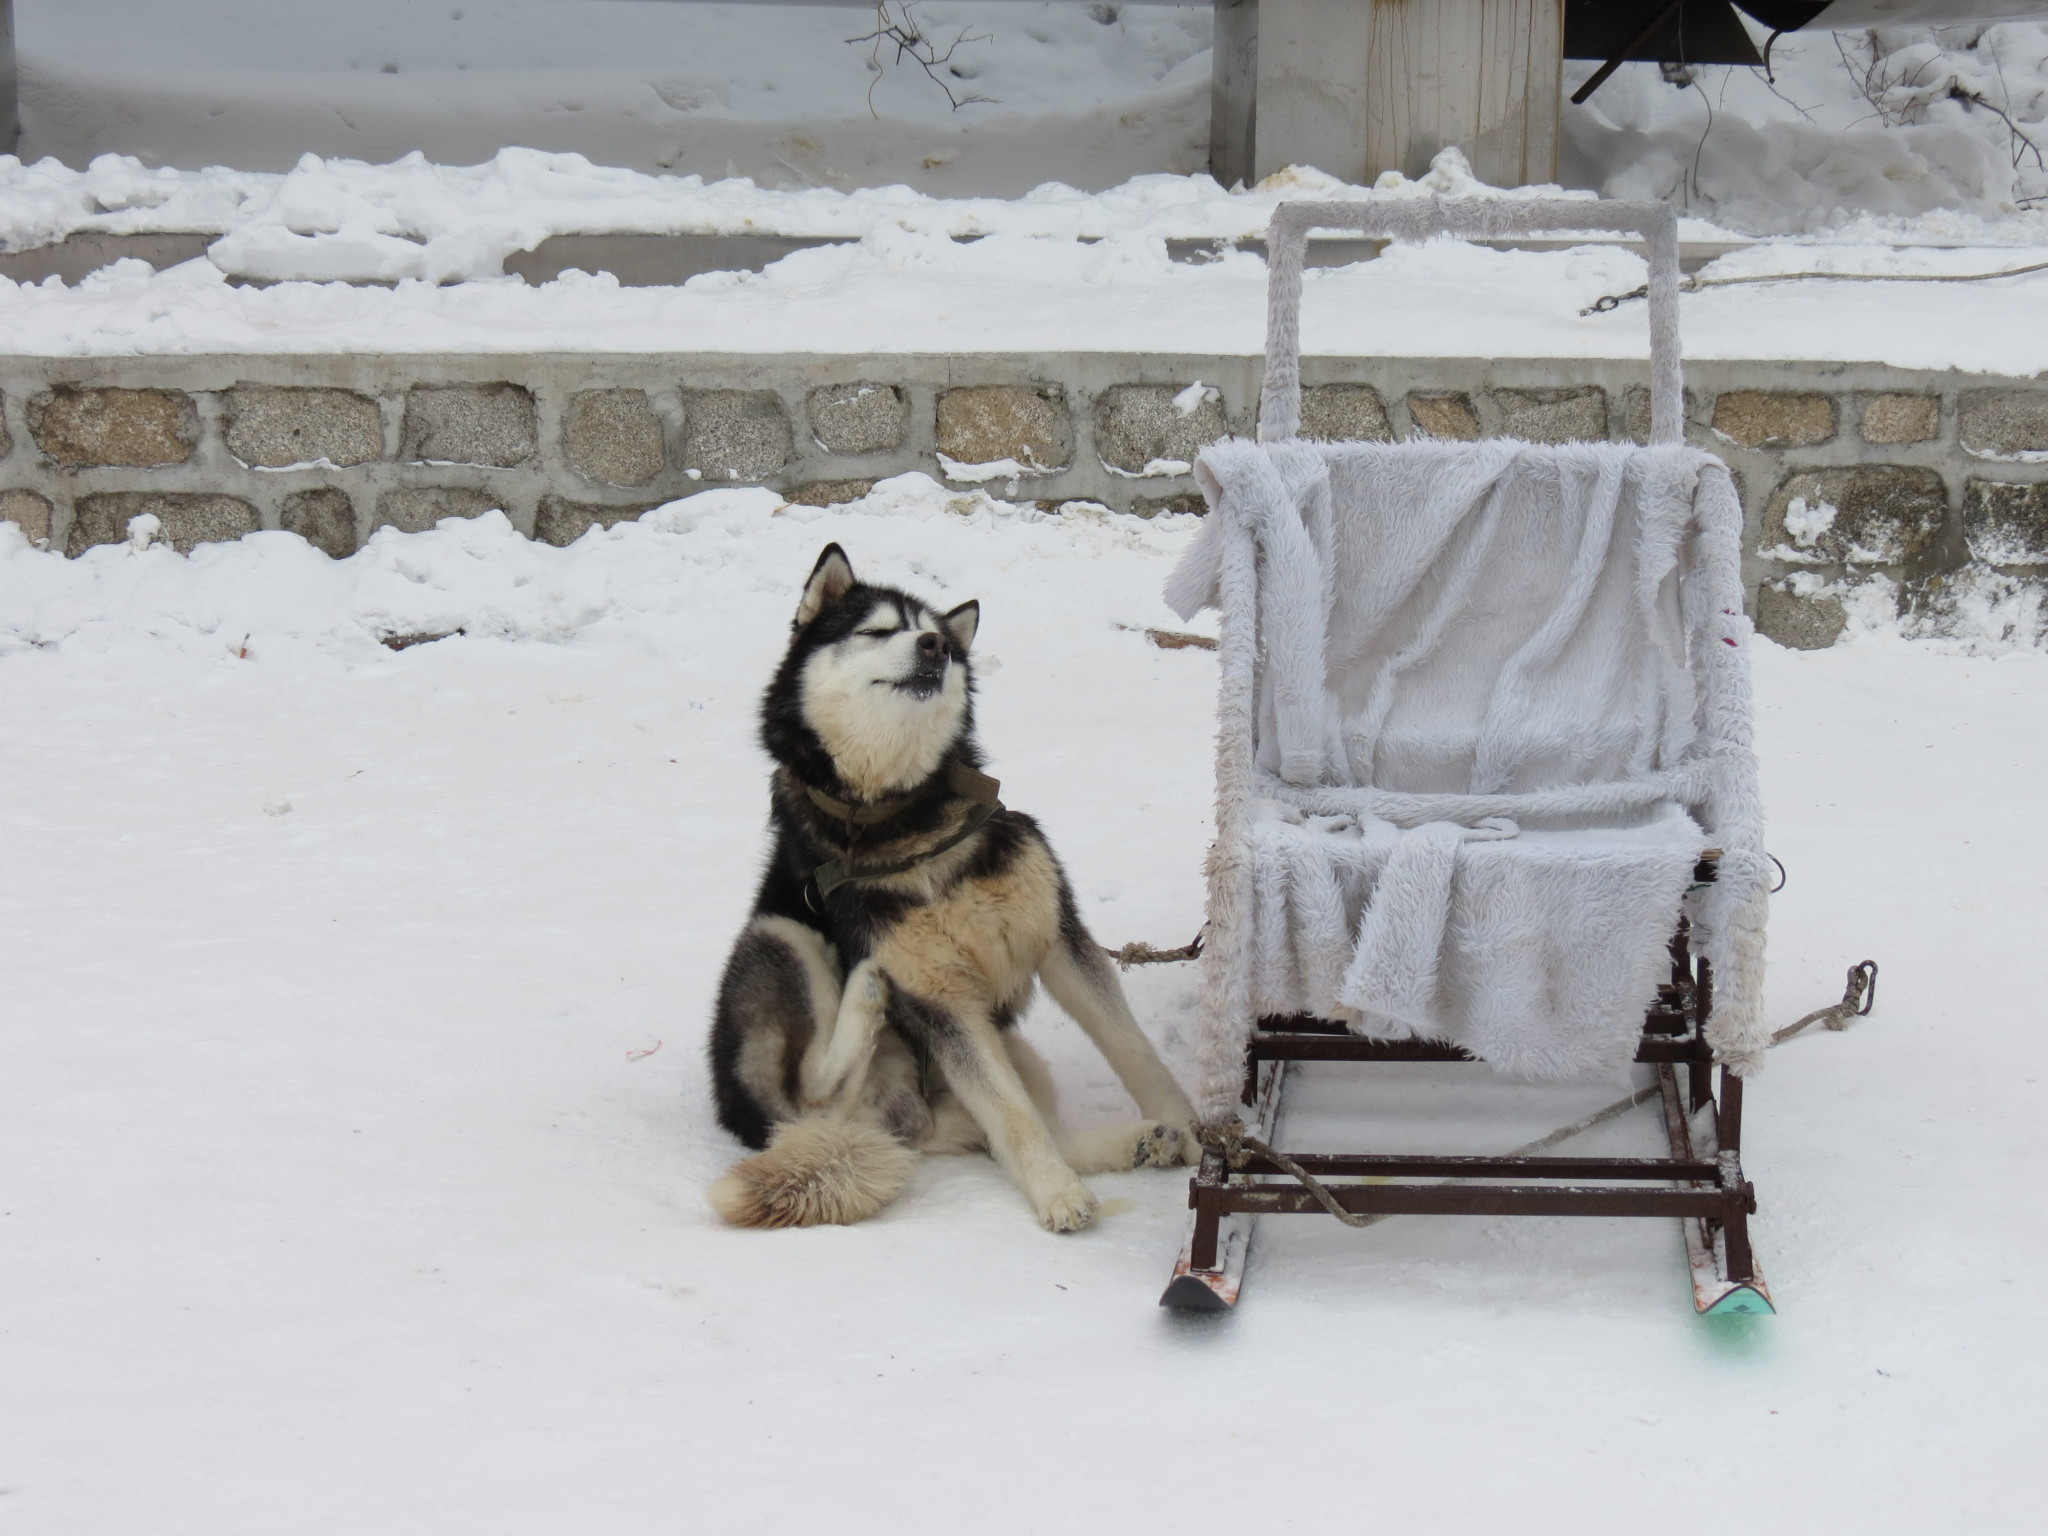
(830, 580)
(961, 624)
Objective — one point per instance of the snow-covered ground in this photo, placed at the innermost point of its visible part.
(1895, 152)
(1090, 94)
(353, 1122)
(1888, 124)
(1894, 123)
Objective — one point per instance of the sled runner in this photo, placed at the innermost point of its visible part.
(1485, 792)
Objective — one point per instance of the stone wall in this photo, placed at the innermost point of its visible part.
(1934, 480)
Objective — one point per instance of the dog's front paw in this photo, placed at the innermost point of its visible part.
(1162, 1146)
(1070, 1209)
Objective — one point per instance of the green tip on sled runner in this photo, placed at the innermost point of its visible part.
(1741, 1301)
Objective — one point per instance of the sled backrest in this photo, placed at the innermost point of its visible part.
(1419, 219)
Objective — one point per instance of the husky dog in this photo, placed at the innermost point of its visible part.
(865, 1014)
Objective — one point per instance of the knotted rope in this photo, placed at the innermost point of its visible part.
(1138, 952)
(1238, 1146)
(1858, 998)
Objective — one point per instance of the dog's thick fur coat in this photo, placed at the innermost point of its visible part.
(860, 1022)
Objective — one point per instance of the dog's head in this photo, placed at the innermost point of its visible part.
(875, 679)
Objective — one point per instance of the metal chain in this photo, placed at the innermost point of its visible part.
(1613, 301)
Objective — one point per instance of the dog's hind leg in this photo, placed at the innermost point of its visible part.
(954, 1130)
(1081, 980)
(839, 1157)
(1098, 1149)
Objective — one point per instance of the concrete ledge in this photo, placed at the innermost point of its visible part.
(1847, 469)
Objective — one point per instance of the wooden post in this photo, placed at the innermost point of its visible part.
(10, 95)
(1357, 87)
(1233, 92)
(1485, 75)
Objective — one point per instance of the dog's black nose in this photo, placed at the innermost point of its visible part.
(927, 644)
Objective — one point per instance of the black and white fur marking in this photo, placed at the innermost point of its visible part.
(859, 1028)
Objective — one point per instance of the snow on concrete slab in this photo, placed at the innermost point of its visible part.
(461, 221)
(354, 1119)
(1056, 270)
(899, 290)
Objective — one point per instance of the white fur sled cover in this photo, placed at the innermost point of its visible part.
(1482, 707)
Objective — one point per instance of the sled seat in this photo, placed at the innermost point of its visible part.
(1485, 791)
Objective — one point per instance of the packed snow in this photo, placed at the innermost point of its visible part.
(1091, 94)
(444, 223)
(1895, 153)
(1060, 270)
(1890, 124)
(355, 1121)
(1867, 129)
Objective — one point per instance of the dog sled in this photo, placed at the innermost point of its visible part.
(1485, 792)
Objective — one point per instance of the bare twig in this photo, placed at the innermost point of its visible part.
(1898, 100)
(2021, 142)
(900, 29)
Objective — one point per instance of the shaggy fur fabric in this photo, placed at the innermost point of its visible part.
(1483, 705)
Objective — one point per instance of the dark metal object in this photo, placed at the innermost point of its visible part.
(1784, 15)
(1682, 32)
(1704, 1187)
(1621, 55)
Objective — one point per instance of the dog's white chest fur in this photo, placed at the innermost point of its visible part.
(883, 738)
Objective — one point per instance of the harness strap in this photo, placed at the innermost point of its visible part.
(860, 815)
(960, 778)
(964, 781)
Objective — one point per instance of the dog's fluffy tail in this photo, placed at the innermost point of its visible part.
(816, 1170)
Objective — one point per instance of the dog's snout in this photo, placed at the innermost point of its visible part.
(928, 644)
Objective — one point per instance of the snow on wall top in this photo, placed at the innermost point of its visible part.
(1056, 270)
(443, 223)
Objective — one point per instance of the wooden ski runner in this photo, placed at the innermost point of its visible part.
(1215, 1290)
(1713, 1293)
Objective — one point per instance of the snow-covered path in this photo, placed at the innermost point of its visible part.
(340, 1194)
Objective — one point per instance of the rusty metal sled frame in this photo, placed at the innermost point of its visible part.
(1701, 1182)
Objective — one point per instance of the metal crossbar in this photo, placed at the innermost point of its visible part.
(1703, 1187)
